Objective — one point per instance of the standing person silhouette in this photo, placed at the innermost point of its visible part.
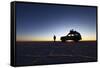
(54, 37)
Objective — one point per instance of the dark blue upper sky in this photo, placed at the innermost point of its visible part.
(38, 21)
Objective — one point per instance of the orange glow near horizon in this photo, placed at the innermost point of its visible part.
(22, 38)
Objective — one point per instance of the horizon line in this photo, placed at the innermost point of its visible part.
(52, 41)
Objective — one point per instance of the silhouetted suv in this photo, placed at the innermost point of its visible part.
(72, 35)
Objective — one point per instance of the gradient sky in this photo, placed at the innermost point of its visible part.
(39, 22)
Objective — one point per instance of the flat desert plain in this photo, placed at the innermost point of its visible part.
(49, 52)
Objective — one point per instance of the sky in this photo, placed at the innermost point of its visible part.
(40, 22)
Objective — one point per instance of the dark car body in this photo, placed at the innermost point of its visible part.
(72, 35)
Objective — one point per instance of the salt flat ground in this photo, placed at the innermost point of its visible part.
(49, 52)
